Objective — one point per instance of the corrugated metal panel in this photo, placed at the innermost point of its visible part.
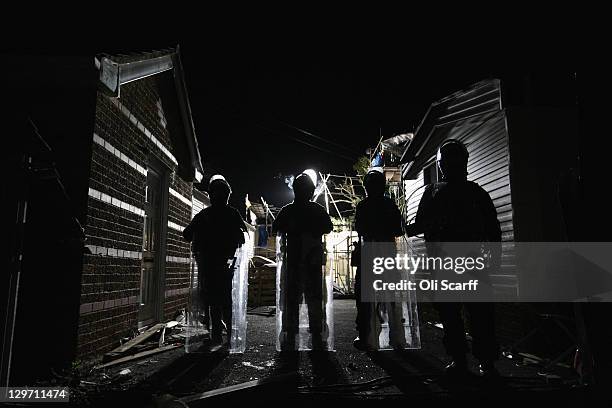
(460, 113)
(474, 117)
(413, 192)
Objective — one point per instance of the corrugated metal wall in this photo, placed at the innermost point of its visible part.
(475, 117)
(489, 167)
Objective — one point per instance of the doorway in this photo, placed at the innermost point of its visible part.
(152, 274)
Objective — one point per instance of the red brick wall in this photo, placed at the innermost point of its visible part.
(127, 129)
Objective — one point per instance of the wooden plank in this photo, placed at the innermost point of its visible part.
(138, 339)
(138, 355)
(203, 399)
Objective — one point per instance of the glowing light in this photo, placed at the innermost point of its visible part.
(198, 176)
(312, 174)
(217, 177)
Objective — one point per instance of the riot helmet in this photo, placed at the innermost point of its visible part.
(374, 183)
(452, 159)
(303, 188)
(219, 190)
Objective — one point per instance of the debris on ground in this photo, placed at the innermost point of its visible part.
(249, 364)
(150, 340)
(266, 311)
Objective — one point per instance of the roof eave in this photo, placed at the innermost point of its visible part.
(183, 97)
(113, 74)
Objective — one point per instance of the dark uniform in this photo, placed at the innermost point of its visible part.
(216, 232)
(303, 223)
(377, 219)
(461, 211)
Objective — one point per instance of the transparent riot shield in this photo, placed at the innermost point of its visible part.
(198, 320)
(239, 299)
(392, 317)
(304, 295)
(196, 324)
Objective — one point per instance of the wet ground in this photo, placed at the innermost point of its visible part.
(344, 375)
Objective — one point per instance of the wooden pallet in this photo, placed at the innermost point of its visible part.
(262, 286)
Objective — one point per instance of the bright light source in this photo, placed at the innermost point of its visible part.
(312, 174)
(217, 177)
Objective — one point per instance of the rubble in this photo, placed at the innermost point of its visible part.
(158, 338)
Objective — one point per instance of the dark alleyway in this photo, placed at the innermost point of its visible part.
(118, 272)
(390, 376)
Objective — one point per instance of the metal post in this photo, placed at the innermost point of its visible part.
(349, 269)
(326, 200)
(15, 274)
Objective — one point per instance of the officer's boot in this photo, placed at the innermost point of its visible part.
(457, 369)
(488, 371)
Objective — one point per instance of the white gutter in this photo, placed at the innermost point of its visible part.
(113, 74)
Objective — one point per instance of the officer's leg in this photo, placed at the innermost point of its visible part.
(227, 305)
(394, 313)
(482, 329)
(226, 311)
(215, 299)
(205, 308)
(313, 294)
(397, 335)
(364, 313)
(454, 331)
(202, 293)
(216, 315)
(357, 290)
(291, 300)
(363, 309)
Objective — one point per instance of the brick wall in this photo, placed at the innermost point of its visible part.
(177, 250)
(127, 130)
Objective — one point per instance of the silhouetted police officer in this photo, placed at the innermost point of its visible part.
(377, 219)
(216, 232)
(458, 210)
(303, 222)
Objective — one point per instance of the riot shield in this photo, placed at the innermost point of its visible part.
(304, 295)
(394, 325)
(196, 325)
(198, 316)
(391, 317)
(239, 299)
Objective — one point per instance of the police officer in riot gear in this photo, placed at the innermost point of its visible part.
(458, 210)
(216, 232)
(377, 219)
(303, 222)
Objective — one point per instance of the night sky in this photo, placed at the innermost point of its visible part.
(248, 98)
(250, 111)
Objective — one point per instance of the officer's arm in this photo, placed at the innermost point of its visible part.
(279, 222)
(326, 223)
(492, 227)
(240, 228)
(421, 222)
(188, 231)
(396, 219)
(492, 230)
(359, 219)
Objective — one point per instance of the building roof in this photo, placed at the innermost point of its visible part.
(117, 70)
(468, 107)
(260, 210)
(397, 143)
